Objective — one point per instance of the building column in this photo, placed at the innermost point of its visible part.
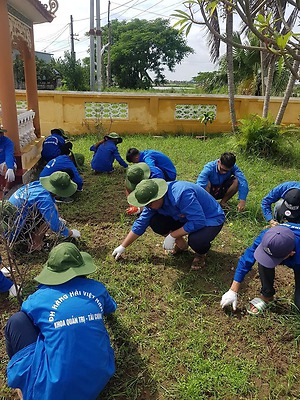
(31, 85)
(7, 86)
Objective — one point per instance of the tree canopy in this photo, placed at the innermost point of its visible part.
(142, 47)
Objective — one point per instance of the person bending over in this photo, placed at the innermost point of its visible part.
(36, 209)
(175, 210)
(153, 158)
(286, 197)
(276, 245)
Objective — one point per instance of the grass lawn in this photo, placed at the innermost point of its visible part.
(170, 336)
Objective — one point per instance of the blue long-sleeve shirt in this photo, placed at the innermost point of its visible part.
(65, 164)
(5, 283)
(52, 146)
(7, 152)
(158, 159)
(34, 196)
(247, 260)
(105, 155)
(72, 357)
(274, 195)
(211, 174)
(185, 202)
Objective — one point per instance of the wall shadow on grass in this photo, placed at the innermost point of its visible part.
(132, 380)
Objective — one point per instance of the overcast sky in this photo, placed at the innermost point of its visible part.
(54, 38)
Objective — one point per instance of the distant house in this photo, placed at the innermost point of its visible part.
(44, 82)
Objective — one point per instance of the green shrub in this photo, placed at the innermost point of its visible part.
(258, 136)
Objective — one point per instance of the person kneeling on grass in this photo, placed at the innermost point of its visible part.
(37, 210)
(274, 246)
(222, 178)
(58, 345)
(106, 152)
(174, 210)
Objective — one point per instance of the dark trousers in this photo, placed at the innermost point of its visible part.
(19, 333)
(199, 241)
(267, 276)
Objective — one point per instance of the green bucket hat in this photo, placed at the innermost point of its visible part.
(135, 174)
(59, 183)
(147, 191)
(78, 159)
(114, 136)
(65, 262)
(59, 131)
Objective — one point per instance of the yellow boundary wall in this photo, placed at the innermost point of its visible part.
(148, 113)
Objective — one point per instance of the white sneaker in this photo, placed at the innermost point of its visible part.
(13, 290)
(5, 272)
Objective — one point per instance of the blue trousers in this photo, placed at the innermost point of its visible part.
(19, 333)
(199, 241)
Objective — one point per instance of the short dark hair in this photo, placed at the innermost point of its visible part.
(228, 159)
(131, 153)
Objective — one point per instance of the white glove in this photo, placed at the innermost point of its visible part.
(75, 233)
(10, 175)
(13, 291)
(118, 251)
(169, 242)
(228, 298)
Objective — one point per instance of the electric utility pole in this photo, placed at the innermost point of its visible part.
(98, 47)
(108, 74)
(92, 47)
(72, 38)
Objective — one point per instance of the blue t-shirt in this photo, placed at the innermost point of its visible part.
(34, 197)
(52, 146)
(211, 174)
(274, 195)
(185, 202)
(247, 260)
(105, 155)
(65, 164)
(7, 152)
(73, 357)
(158, 159)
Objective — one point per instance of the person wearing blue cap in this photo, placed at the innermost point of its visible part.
(286, 198)
(58, 344)
(277, 245)
(222, 178)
